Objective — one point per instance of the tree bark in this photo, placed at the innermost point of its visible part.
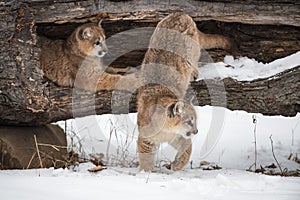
(277, 95)
(264, 30)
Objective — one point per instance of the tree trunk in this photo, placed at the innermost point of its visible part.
(264, 30)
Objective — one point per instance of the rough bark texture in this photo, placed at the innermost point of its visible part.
(271, 96)
(278, 94)
(264, 30)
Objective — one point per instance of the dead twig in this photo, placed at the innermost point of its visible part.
(275, 156)
(30, 161)
(38, 151)
(255, 148)
(56, 147)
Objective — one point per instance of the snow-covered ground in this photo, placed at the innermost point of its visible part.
(225, 138)
(122, 183)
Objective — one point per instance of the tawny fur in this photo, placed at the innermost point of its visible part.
(70, 63)
(175, 48)
(75, 62)
(164, 118)
(169, 65)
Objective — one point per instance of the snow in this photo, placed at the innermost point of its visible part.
(247, 69)
(230, 144)
(233, 151)
(122, 183)
(225, 138)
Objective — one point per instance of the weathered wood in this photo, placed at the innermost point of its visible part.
(264, 30)
(277, 95)
(249, 12)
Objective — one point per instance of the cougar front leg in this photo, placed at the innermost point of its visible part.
(147, 151)
(184, 150)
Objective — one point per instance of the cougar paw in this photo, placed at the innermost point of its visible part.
(147, 168)
(178, 164)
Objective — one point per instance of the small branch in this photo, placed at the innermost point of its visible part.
(148, 177)
(56, 147)
(293, 131)
(274, 155)
(30, 161)
(109, 141)
(255, 148)
(38, 151)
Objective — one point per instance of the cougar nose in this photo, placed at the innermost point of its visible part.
(195, 132)
(192, 132)
(102, 53)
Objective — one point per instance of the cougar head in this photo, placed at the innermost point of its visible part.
(183, 117)
(91, 40)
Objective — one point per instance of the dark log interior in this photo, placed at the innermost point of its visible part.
(265, 43)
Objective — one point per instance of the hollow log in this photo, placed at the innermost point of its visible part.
(264, 30)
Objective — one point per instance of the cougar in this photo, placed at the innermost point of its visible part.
(169, 65)
(78, 60)
(162, 117)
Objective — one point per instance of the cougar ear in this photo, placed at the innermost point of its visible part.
(175, 109)
(170, 111)
(178, 108)
(86, 34)
(99, 23)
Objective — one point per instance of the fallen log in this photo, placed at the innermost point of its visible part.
(271, 32)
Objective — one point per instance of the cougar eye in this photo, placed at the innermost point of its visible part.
(190, 123)
(98, 43)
